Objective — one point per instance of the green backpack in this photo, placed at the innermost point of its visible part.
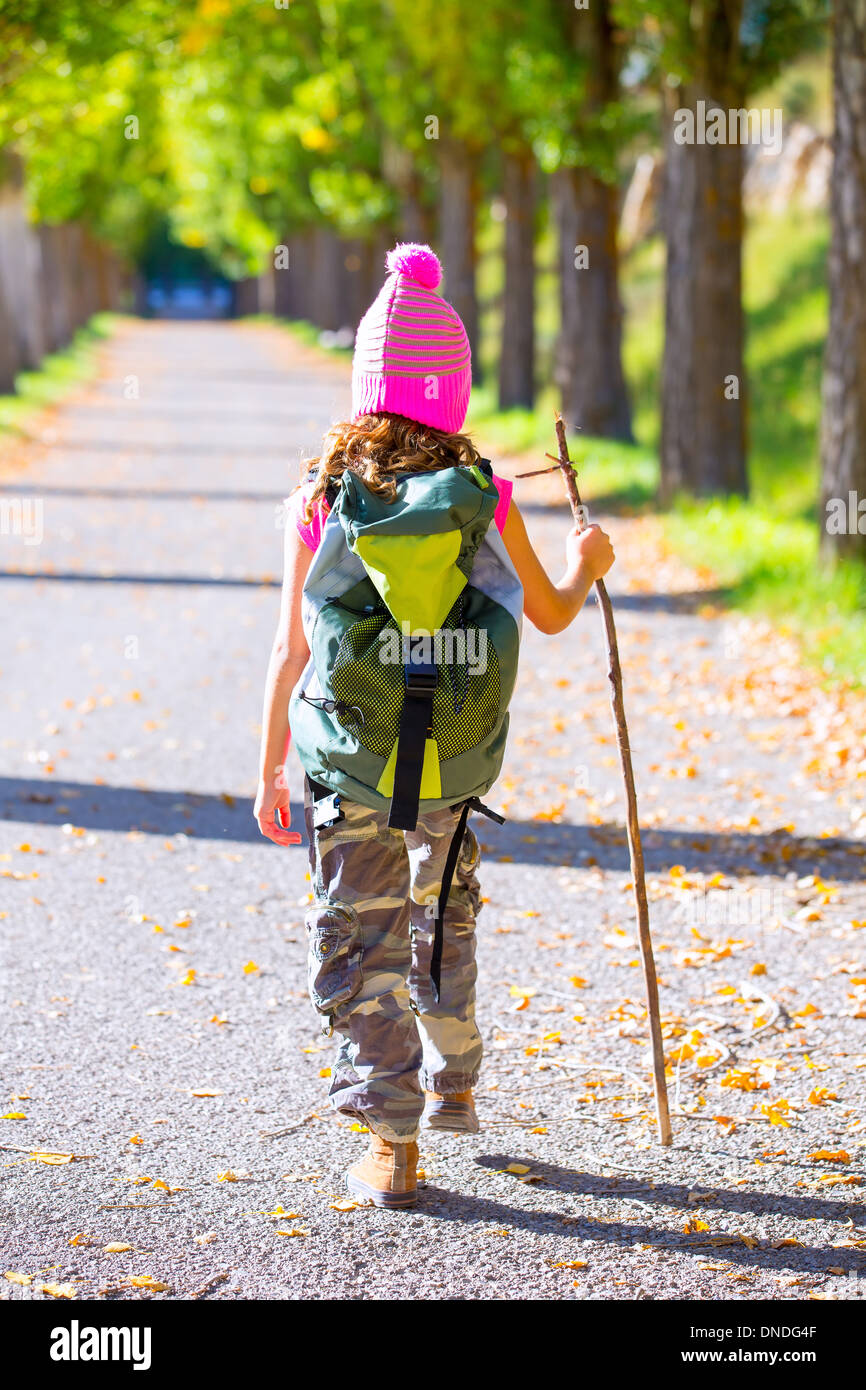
(412, 611)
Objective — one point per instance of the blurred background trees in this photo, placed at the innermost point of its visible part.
(269, 153)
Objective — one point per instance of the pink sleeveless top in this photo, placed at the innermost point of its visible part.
(311, 534)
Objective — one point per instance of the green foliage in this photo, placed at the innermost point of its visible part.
(254, 121)
(673, 36)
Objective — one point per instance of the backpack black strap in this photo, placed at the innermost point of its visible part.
(447, 880)
(415, 723)
(416, 717)
(473, 804)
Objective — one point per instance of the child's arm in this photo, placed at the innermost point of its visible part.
(289, 656)
(551, 607)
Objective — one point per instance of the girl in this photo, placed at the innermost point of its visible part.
(410, 1050)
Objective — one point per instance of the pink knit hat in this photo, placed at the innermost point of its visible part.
(412, 355)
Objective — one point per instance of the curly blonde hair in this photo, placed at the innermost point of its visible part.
(378, 448)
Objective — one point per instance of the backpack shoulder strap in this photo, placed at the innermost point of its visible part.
(332, 491)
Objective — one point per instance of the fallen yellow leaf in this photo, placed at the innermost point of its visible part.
(820, 1094)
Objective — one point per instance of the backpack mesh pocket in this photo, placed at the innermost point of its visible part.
(466, 702)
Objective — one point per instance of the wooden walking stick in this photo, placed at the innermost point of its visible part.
(614, 675)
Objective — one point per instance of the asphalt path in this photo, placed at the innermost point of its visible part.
(155, 1023)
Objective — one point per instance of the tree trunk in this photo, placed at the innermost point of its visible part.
(517, 353)
(10, 362)
(19, 263)
(114, 276)
(678, 398)
(458, 203)
(843, 426)
(586, 208)
(55, 322)
(75, 288)
(266, 291)
(286, 280)
(326, 309)
(357, 272)
(246, 297)
(107, 276)
(89, 272)
(417, 221)
(703, 437)
(589, 350)
(284, 286)
(293, 290)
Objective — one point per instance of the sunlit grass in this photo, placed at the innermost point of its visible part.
(57, 375)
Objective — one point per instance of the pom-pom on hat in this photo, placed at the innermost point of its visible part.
(412, 354)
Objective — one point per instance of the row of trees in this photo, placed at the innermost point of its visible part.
(332, 128)
(53, 278)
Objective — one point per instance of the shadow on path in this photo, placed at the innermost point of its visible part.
(806, 1259)
(190, 580)
(209, 448)
(224, 817)
(683, 603)
(144, 494)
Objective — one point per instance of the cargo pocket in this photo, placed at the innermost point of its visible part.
(334, 955)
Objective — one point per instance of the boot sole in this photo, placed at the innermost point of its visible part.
(357, 1188)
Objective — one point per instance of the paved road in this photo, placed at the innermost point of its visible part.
(153, 944)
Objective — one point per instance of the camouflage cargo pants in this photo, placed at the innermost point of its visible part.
(370, 936)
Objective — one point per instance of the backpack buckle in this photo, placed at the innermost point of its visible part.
(420, 677)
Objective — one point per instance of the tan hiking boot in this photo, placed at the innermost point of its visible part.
(386, 1175)
(455, 1112)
